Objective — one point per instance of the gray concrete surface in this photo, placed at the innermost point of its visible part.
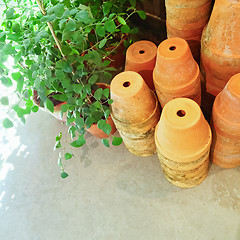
(110, 194)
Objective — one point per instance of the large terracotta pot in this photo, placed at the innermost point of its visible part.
(141, 58)
(225, 150)
(135, 112)
(94, 130)
(220, 52)
(186, 19)
(176, 73)
(183, 139)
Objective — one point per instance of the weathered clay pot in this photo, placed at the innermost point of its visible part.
(94, 130)
(141, 58)
(183, 138)
(176, 73)
(220, 52)
(135, 112)
(225, 150)
(186, 19)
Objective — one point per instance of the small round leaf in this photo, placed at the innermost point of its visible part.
(64, 174)
(68, 156)
(4, 101)
(7, 123)
(117, 141)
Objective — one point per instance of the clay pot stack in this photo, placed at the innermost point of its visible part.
(225, 150)
(135, 112)
(186, 19)
(220, 51)
(176, 73)
(183, 139)
(141, 58)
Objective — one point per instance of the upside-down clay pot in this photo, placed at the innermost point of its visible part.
(135, 112)
(94, 130)
(186, 19)
(176, 73)
(225, 150)
(183, 138)
(220, 52)
(141, 58)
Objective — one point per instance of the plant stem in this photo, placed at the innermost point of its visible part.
(51, 29)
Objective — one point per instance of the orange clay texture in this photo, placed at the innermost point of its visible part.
(141, 58)
(186, 19)
(183, 138)
(176, 73)
(220, 52)
(135, 112)
(225, 123)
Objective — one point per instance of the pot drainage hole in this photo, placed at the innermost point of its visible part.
(181, 113)
(126, 84)
(172, 48)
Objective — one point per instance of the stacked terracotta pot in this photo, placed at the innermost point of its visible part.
(186, 19)
(135, 112)
(141, 58)
(220, 51)
(176, 73)
(183, 139)
(225, 150)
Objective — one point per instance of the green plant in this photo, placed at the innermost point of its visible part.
(60, 51)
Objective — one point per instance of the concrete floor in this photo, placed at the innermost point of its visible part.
(110, 194)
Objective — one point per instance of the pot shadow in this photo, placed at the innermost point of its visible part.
(144, 178)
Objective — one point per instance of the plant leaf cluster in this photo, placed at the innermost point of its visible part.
(61, 50)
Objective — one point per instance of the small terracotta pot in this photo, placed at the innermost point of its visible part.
(176, 73)
(183, 138)
(94, 130)
(225, 150)
(57, 108)
(141, 58)
(186, 19)
(135, 112)
(220, 52)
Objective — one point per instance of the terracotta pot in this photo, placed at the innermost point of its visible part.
(183, 139)
(57, 108)
(118, 55)
(141, 58)
(94, 130)
(225, 150)
(135, 112)
(186, 19)
(220, 52)
(176, 73)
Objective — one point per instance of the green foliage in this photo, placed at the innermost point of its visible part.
(61, 55)
(68, 156)
(105, 142)
(4, 100)
(7, 123)
(116, 141)
(64, 174)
